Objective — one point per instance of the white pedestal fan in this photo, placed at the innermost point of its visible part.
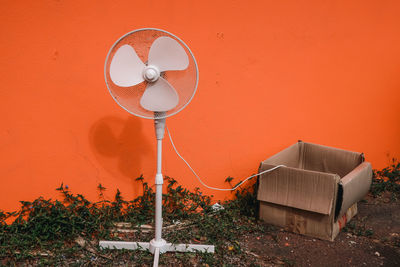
(152, 74)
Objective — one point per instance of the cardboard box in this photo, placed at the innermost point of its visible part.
(317, 191)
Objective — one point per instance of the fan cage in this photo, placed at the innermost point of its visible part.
(185, 81)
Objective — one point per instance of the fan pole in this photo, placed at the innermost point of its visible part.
(158, 245)
(158, 242)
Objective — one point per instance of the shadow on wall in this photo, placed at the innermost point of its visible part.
(120, 146)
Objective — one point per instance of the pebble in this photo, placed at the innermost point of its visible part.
(349, 235)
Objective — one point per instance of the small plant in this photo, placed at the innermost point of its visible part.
(358, 229)
(387, 180)
(66, 232)
(245, 200)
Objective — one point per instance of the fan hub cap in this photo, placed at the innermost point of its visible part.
(151, 73)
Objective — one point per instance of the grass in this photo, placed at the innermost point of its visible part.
(66, 232)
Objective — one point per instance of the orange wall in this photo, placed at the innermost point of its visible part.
(271, 72)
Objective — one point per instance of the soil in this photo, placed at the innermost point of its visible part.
(373, 240)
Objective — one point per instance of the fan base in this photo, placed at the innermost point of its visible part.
(167, 247)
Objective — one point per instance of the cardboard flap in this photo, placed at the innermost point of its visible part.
(356, 185)
(328, 159)
(289, 157)
(301, 189)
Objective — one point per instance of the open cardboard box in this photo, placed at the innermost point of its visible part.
(317, 191)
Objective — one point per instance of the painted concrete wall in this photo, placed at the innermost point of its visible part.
(271, 72)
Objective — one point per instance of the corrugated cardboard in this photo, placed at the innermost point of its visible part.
(317, 192)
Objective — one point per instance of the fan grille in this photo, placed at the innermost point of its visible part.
(184, 81)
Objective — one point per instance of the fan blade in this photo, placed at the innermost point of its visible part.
(126, 67)
(167, 54)
(159, 96)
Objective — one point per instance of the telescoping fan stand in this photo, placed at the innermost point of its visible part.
(152, 74)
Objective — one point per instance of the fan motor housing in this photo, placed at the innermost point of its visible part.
(151, 73)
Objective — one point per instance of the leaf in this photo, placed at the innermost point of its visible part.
(228, 179)
(61, 187)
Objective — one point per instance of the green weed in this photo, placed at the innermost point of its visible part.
(358, 229)
(387, 180)
(45, 231)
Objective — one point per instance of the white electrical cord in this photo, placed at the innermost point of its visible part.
(210, 187)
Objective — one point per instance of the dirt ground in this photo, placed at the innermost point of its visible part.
(372, 239)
